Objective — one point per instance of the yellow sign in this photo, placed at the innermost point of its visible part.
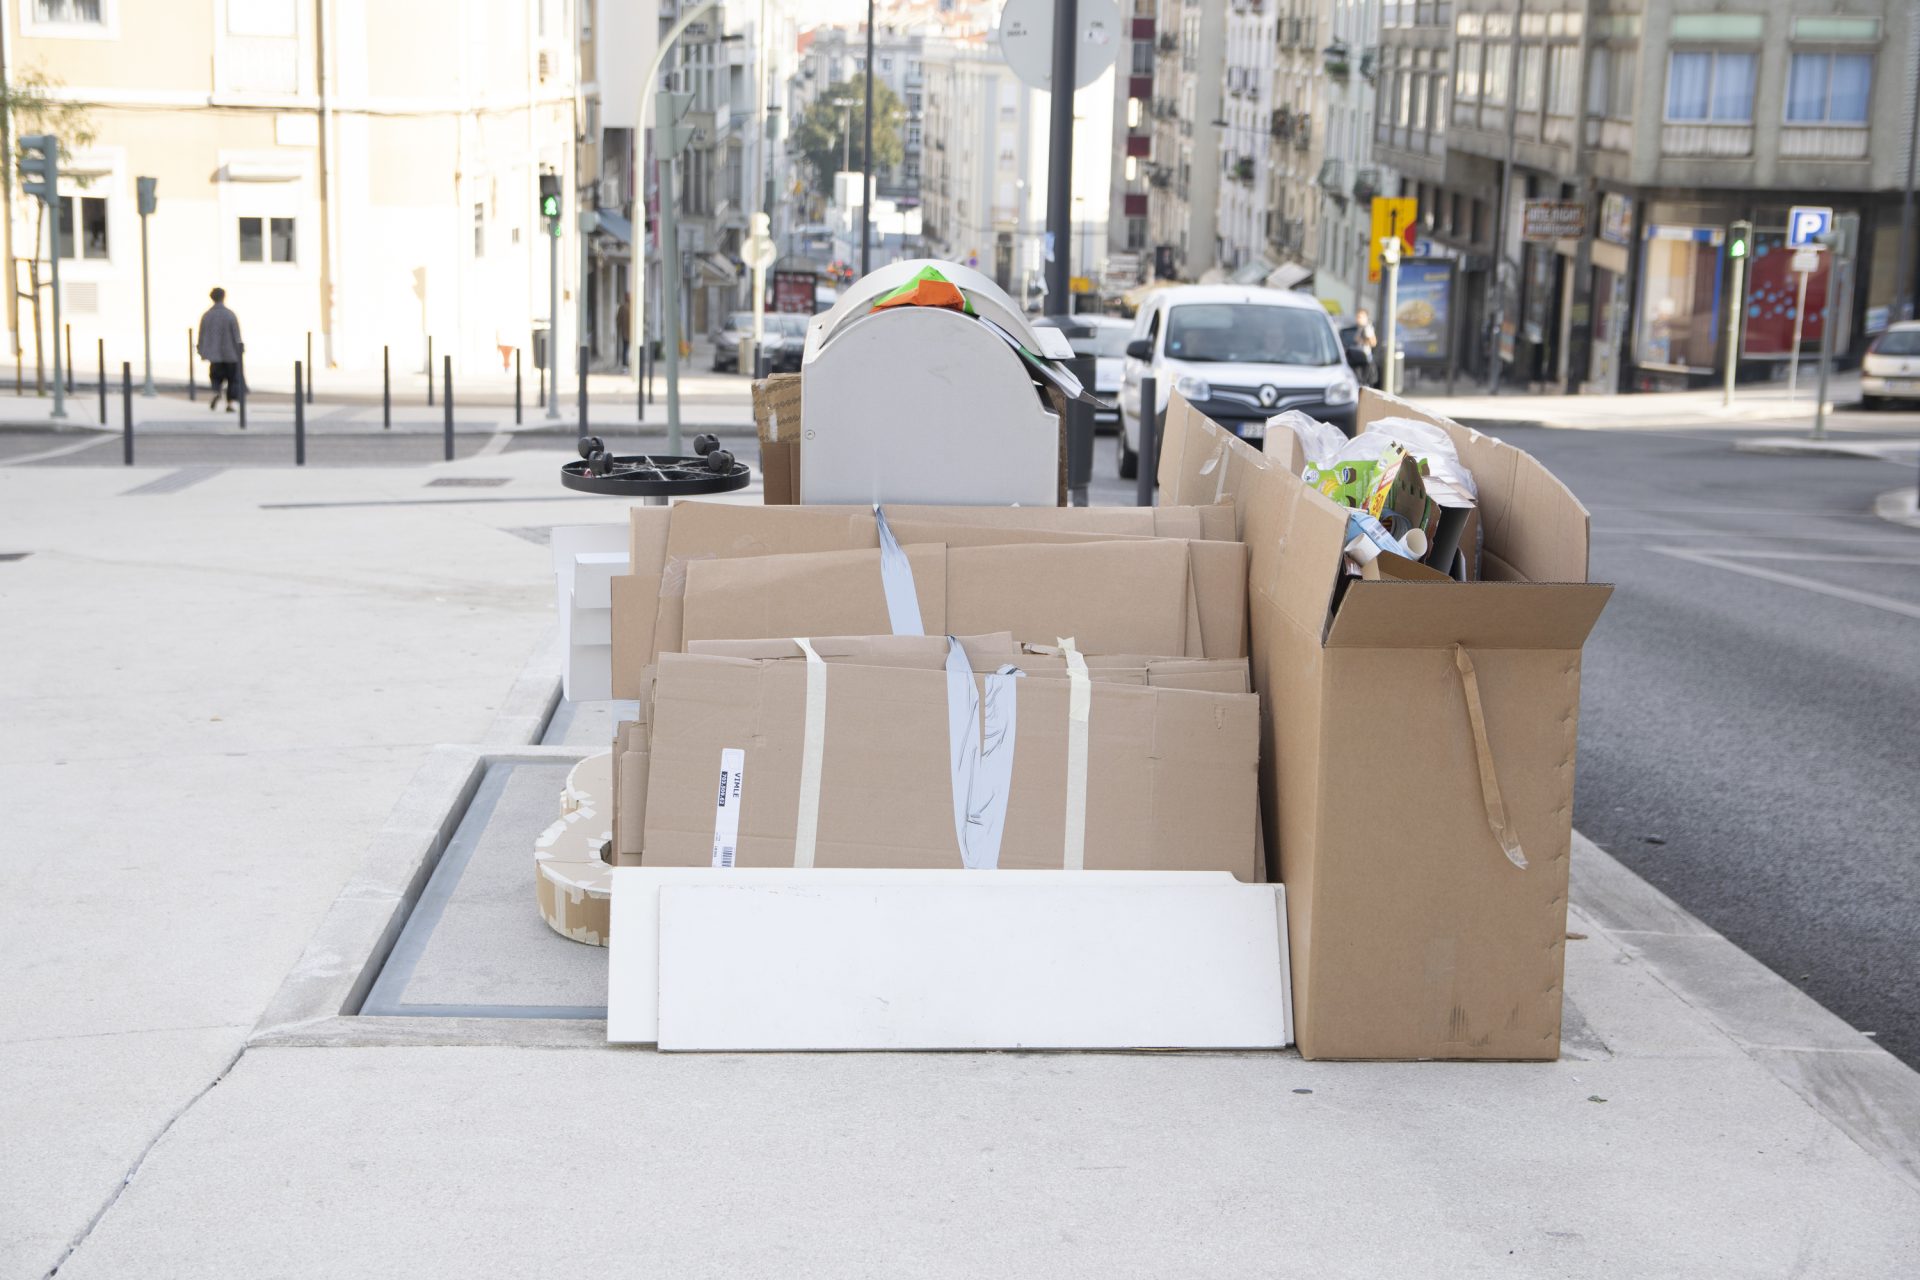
(1080, 284)
(1392, 216)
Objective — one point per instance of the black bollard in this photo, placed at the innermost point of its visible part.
(100, 350)
(583, 393)
(447, 400)
(126, 410)
(516, 386)
(299, 418)
(1149, 443)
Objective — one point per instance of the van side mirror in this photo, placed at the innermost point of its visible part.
(1140, 349)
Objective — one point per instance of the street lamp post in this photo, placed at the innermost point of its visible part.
(148, 202)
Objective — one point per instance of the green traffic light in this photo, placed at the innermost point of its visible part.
(1738, 249)
(550, 206)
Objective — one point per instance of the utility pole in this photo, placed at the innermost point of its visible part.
(1499, 309)
(1903, 259)
(550, 210)
(1390, 263)
(40, 167)
(866, 159)
(1066, 36)
(671, 136)
(148, 202)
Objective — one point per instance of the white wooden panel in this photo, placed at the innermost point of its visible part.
(633, 985)
(1008, 961)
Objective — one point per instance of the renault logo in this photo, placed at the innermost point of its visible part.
(1269, 396)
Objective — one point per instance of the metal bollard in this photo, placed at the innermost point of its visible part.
(193, 390)
(126, 410)
(69, 329)
(1149, 443)
(386, 388)
(446, 400)
(429, 370)
(516, 386)
(1079, 425)
(583, 393)
(309, 366)
(299, 419)
(100, 350)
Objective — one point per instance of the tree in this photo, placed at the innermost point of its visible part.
(28, 106)
(831, 131)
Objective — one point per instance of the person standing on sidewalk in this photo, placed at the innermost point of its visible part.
(623, 332)
(1369, 340)
(220, 347)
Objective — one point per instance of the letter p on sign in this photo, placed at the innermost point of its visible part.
(1805, 222)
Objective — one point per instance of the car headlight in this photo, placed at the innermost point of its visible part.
(1193, 388)
(1343, 392)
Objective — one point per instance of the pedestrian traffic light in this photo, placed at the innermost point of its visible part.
(550, 202)
(40, 166)
(1739, 239)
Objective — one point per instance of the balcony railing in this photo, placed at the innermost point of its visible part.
(1558, 130)
(1710, 141)
(1800, 142)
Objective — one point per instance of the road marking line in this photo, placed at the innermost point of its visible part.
(1867, 598)
(60, 452)
(1814, 555)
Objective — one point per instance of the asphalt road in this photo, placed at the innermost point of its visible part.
(1750, 733)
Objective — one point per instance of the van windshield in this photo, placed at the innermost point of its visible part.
(1249, 333)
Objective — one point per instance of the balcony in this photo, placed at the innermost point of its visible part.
(1281, 126)
(1169, 42)
(1558, 130)
(1339, 62)
(1801, 142)
(1707, 141)
(1303, 131)
(1243, 170)
(1369, 63)
(1332, 178)
(1366, 184)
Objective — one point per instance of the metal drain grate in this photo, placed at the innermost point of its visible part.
(468, 482)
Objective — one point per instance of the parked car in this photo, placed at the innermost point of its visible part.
(1105, 339)
(1890, 370)
(726, 343)
(791, 344)
(1240, 355)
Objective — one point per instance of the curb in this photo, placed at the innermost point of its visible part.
(1800, 446)
(1899, 506)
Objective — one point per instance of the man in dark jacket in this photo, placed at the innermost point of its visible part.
(220, 347)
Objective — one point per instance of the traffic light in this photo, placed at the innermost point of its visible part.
(1739, 239)
(550, 202)
(40, 166)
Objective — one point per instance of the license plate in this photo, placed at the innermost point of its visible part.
(1904, 386)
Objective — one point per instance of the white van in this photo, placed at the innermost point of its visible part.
(1239, 354)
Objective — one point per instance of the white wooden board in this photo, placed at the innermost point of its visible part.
(843, 959)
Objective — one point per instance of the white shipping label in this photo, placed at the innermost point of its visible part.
(726, 814)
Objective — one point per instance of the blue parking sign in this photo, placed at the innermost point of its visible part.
(1806, 222)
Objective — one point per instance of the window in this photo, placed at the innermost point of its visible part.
(1466, 74)
(1143, 57)
(1493, 85)
(1532, 61)
(1563, 79)
(93, 226)
(73, 12)
(479, 230)
(1599, 73)
(1828, 88)
(276, 244)
(1710, 87)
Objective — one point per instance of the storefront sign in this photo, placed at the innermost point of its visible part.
(1423, 322)
(793, 292)
(1616, 218)
(1544, 220)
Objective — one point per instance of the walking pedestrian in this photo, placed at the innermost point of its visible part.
(219, 346)
(1369, 341)
(623, 331)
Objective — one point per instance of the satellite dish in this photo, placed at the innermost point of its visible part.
(1026, 41)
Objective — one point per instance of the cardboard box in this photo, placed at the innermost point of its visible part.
(630, 750)
(1413, 933)
(1039, 592)
(776, 415)
(1170, 779)
(647, 604)
(929, 653)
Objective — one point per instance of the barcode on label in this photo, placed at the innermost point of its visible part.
(726, 812)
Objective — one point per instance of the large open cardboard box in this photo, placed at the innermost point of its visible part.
(1409, 740)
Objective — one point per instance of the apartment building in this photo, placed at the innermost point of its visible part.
(1665, 121)
(1349, 174)
(1248, 194)
(1128, 237)
(835, 55)
(1188, 90)
(314, 164)
(1296, 133)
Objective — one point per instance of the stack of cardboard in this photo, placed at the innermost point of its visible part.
(1410, 738)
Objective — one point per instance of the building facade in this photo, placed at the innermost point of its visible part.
(1189, 79)
(311, 162)
(1350, 174)
(1246, 161)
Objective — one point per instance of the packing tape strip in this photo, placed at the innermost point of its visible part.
(1079, 703)
(896, 579)
(806, 829)
(1483, 752)
(982, 756)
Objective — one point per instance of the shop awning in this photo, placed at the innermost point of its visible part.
(616, 226)
(716, 269)
(1290, 275)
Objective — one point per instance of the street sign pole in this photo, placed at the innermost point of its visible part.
(147, 204)
(1066, 32)
(1830, 321)
(1738, 245)
(40, 166)
(1799, 318)
(1390, 263)
(670, 139)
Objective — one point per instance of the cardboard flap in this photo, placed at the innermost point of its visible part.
(1388, 614)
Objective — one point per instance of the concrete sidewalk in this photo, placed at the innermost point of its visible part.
(233, 684)
(1765, 402)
